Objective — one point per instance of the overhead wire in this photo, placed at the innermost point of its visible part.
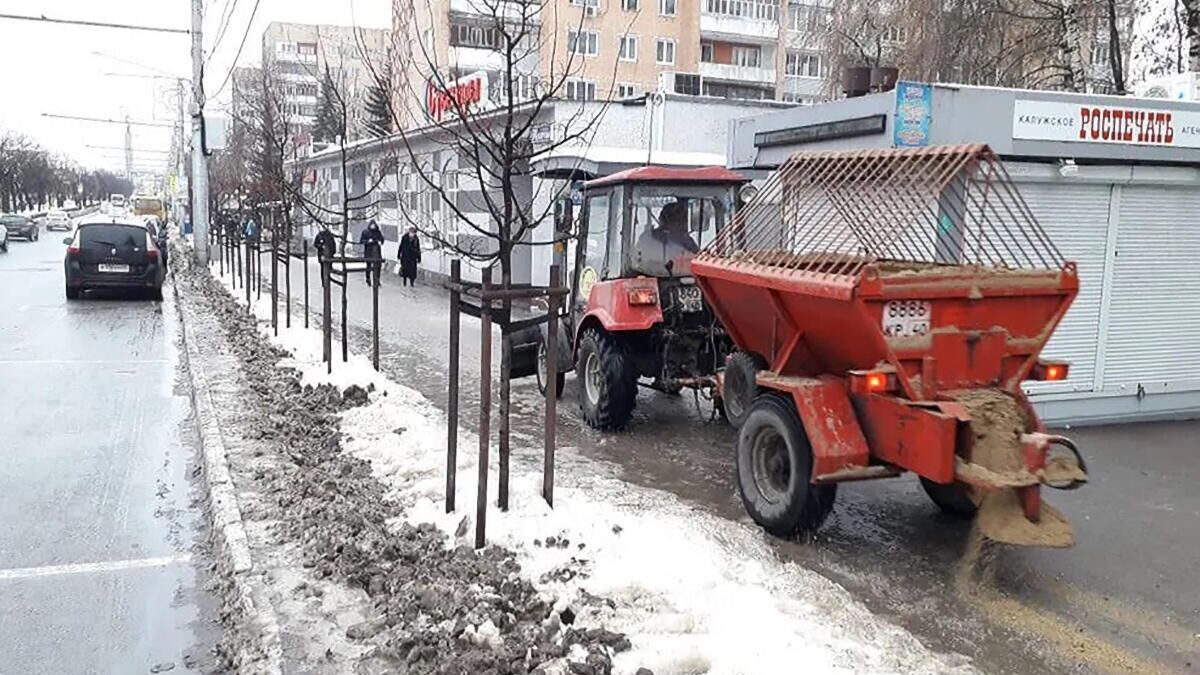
(238, 55)
(223, 23)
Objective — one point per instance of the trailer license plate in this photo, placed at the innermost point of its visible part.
(120, 269)
(905, 318)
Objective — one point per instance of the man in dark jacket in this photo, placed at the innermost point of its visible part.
(326, 247)
(410, 255)
(371, 240)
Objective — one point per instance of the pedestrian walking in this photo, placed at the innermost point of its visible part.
(326, 247)
(409, 254)
(250, 231)
(371, 240)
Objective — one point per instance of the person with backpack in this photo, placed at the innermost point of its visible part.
(371, 240)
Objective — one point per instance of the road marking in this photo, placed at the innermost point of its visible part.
(89, 568)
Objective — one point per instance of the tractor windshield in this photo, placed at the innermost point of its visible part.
(671, 224)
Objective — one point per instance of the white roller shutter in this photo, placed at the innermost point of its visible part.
(1075, 216)
(1154, 328)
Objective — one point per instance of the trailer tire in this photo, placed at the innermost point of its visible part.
(952, 498)
(607, 382)
(774, 469)
(740, 386)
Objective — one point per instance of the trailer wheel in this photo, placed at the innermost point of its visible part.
(607, 383)
(953, 498)
(774, 468)
(739, 386)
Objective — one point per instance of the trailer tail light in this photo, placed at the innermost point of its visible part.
(873, 381)
(1050, 371)
(643, 296)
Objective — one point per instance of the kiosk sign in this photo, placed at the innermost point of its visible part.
(1082, 123)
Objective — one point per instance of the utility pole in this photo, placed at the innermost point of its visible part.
(128, 150)
(199, 160)
(181, 145)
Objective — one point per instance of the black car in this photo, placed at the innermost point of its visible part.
(20, 226)
(113, 254)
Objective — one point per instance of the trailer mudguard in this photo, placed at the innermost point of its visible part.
(829, 421)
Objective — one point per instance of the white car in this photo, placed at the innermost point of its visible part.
(3, 239)
(58, 220)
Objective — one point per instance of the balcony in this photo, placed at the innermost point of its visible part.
(730, 73)
(739, 20)
(470, 59)
(511, 10)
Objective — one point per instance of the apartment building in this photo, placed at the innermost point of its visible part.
(299, 55)
(613, 49)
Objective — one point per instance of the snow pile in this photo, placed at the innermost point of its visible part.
(694, 593)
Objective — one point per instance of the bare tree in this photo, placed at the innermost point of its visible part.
(488, 134)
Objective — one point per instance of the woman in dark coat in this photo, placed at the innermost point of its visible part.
(410, 255)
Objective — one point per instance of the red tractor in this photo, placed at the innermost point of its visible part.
(635, 311)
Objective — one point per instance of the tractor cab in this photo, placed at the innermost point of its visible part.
(635, 311)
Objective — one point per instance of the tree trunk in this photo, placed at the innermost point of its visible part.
(1072, 34)
(1191, 13)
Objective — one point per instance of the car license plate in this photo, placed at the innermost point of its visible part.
(906, 318)
(119, 269)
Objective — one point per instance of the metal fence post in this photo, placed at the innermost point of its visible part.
(275, 284)
(247, 281)
(287, 281)
(452, 398)
(551, 388)
(304, 267)
(485, 410)
(375, 312)
(326, 319)
(345, 313)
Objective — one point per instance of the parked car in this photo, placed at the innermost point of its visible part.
(58, 220)
(113, 253)
(3, 238)
(20, 226)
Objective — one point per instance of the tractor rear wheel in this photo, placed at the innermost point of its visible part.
(774, 470)
(740, 386)
(607, 381)
(953, 498)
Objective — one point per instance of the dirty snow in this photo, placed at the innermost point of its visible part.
(694, 593)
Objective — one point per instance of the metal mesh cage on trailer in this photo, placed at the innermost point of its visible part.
(899, 209)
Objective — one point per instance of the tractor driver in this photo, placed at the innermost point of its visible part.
(663, 243)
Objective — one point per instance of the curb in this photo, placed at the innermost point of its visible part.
(232, 548)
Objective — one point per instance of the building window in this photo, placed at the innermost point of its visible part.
(629, 5)
(469, 35)
(665, 51)
(761, 10)
(666, 7)
(894, 33)
(750, 57)
(629, 48)
(586, 42)
(804, 64)
(706, 52)
(807, 18)
(581, 90)
(626, 90)
(306, 48)
(591, 5)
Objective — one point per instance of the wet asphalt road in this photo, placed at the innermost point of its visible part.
(1125, 599)
(98, 567)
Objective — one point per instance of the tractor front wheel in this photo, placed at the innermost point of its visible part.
(774, 470)
(953, 498)
(607, 382)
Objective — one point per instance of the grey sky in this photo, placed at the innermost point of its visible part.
(53, 68)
